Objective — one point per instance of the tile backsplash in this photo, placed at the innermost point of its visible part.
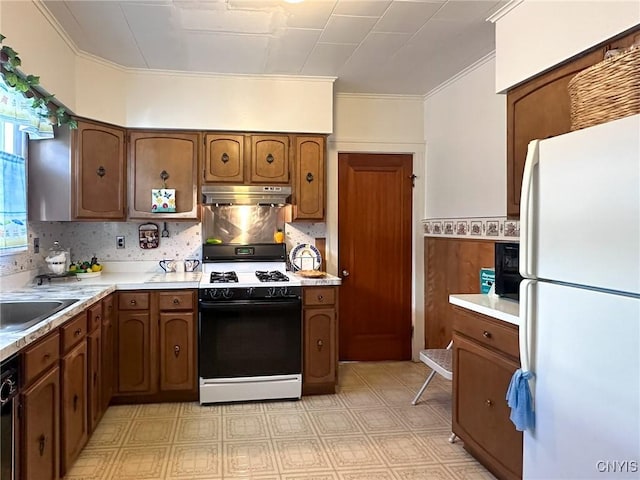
(493, 228)
(88, 238)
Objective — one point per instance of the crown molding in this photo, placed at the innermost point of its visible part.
(478, 63)
(501, 12)
(42, 8)
(379, 96)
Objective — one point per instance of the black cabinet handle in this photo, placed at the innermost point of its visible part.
(270, 159)
(176, 301)
(41, 442)
(101, 171)
(75, 402)
(309, 177)
(486, 334)
(224, 158)
(176, 350)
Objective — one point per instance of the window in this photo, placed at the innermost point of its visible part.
(13, 189)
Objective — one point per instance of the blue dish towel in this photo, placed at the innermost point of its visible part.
(519, 399)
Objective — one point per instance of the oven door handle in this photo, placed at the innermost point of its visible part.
(250, 303)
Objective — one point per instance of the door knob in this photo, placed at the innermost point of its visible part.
(345, 273)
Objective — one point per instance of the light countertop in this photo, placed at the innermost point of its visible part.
(318, 282)
(500, 308)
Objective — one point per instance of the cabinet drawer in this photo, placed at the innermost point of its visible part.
(319, 296)
(41, 356)
(73, 331)
(133, 301)
(95, 317)
(487, 331)
(178, 300)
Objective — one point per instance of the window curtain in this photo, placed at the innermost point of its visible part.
(13, 201)
(15, 108)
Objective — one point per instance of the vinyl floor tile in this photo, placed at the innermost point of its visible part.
(368, 430)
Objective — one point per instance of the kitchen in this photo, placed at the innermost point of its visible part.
(450, 193)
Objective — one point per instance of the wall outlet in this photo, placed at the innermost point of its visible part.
(119, 241)
(36, 245)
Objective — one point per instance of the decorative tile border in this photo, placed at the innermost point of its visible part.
(493, 228)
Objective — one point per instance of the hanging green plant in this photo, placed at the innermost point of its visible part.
(43, 105)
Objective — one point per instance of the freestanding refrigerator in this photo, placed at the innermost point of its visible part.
(580, 302)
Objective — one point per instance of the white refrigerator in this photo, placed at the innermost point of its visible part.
(580, 302)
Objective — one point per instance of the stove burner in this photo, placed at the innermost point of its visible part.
(273, 276)
(224, 277)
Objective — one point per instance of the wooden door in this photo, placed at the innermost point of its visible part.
(94, 340)
(151, 154)
(374, 235)
(269, 159)
(74, 404)
(134, 353)
(99, 175)
(177, 351)
(308, 185)
(40, 431)
(224, 158)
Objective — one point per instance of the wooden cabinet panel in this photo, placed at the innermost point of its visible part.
(177, 351)
(269, 159)
(487, 331)
(94, 316)
(74, 405)
(480, 412)
(107, 352)
(133, 301)
(224, 158)
(150, 154)
(134, 353)
(41, 356)
(99, 159)
(40, 428)
(178, 300)
(319, 296)
(319, 346)
(309, 185)
(94, 378)
(538, 109)
(73, 332)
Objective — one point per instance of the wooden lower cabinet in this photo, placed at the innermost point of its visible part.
(40, 428)
(156, 346)
(320, 355)
(107, 351)
(482, 372)
(177, 351)
(74, 404)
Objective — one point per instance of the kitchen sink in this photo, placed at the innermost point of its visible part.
(19, 315)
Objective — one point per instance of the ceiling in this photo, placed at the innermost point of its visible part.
(376, 46)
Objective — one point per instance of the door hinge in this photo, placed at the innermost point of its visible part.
(413, 177)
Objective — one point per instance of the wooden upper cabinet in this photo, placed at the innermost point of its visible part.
(224, 158)
(308, 184)
(99, 176)
(151, 154)
(269, 159)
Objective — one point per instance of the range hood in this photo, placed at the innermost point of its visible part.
(222, 195)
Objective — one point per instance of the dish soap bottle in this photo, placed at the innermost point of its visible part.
(278, 237)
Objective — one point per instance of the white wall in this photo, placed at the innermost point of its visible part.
(465, 133)
(535, 35)
(380, 124)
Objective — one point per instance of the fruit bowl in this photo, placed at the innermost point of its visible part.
(88, 274)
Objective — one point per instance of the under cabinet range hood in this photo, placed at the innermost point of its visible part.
(268, 195)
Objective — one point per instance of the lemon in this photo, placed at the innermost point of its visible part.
(72, 268)
(96, 267)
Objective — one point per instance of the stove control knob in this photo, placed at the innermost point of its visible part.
(214, 293)
(227, 293)
(250, 291)
(271, 292)
(283, 292)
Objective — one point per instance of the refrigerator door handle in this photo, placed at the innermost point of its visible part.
(526, 320)
(526, 210)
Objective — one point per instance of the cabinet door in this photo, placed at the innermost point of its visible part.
(480, 413)
(224, 158)
(177, 351)
(319, 346)
(94, 341)
(538, 109)
(308, 201)
(269, 159)
(41, 428)
(74, 404)
(107, 352)
(154, 154)
(135, 364)
(99, 176)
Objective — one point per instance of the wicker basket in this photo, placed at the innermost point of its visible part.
(606, 91)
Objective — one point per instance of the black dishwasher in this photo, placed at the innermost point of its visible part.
(9, 382)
